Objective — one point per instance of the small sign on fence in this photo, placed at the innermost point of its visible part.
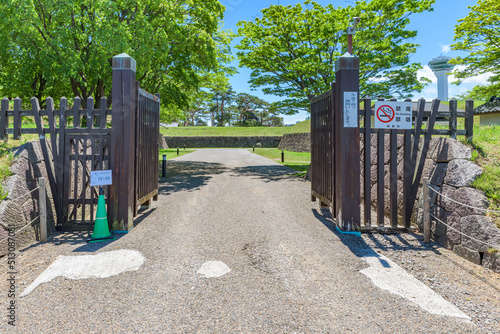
(100, 178)
(393, 115)
(350, 109)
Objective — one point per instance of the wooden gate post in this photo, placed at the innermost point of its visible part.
(121, 203)
(346, 141)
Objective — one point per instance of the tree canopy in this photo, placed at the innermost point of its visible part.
(292, 50)
(479, 34)
(56, 47)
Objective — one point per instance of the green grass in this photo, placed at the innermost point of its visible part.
(301, 127)
(299, 161)
(172, 152)
(212, 131)
(486, 154)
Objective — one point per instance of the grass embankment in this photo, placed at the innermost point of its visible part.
(486, 154)
(297, 160)
(213, 131)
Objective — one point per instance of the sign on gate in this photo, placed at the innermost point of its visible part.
(100, 178)
(350, 109)
(393, 115)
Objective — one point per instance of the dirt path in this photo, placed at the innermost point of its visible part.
(290, 272)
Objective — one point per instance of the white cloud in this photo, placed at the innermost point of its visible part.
(481, 79)
(445, 48)
(426, 72)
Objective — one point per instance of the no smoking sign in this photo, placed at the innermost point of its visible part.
(393, 115)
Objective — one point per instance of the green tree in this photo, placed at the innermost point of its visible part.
(292, 50)
(63, 46)
(479, 35)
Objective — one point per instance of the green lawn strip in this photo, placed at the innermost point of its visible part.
(299, 161)
(172, 152)
(213, 131)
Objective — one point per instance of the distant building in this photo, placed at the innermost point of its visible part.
(440, 67)
(489, 113)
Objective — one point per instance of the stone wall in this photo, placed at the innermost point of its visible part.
(451, 173)
(296, 142)
(221, 141)
(19, 209)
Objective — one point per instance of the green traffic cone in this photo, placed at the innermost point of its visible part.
(101, 229)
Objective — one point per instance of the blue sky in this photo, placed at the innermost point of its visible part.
(435, 34)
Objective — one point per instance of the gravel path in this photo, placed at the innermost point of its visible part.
(290, 271)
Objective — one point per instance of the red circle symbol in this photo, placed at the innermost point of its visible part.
(385, 113)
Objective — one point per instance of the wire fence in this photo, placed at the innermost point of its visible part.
(42, 210)
(428, 212)
(462, 204)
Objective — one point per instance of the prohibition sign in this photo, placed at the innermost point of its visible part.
(385, 113)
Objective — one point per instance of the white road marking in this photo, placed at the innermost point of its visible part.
(100, 265)
(387, 275)
(213, 269)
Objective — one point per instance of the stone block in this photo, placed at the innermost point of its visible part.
(437, 176)
(11, 214)
(461, 173)
(163, 143)
(448, 149)
(439, 229)
(16, 188)
(467, 253)
(491, 260)
(429, 167)
(454, 237)
(464, 195)
(480, 228)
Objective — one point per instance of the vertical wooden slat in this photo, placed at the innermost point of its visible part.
(90, 112)
(367, 164)
(453, 118)
(42, 205)
(380, 176)
(429, 127)
(67, 177)
(418, 129)
(393, 177)
(35, 105)
(76, 143)
(469, 120)
(4, 119)
(76, 112)
(52, 130)
(84, 177)
(408, 171)
(62, 166)
(92, 163)
(102, 113)
(17, 119)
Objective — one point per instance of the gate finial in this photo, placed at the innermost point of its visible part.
(123, 62)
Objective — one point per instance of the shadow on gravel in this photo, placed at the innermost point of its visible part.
(267, 173)
(360, 248)
(188, 175)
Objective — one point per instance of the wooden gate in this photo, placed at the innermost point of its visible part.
(78, 147)
(76, 141)
(322, 137)
(402, 179)
(147, 148)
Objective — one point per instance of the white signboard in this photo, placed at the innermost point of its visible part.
(350, 109)
(393, 115)
(100, 178)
